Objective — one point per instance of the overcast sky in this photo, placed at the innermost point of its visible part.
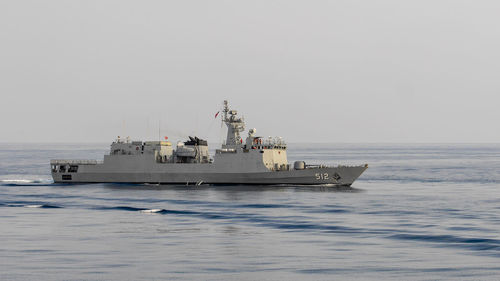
(309, 71)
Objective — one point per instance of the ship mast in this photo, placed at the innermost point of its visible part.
(235, 126)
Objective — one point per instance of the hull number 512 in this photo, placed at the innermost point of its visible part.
(322, 176)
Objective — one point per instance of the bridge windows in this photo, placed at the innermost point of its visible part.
(64, 168)
(73, 169)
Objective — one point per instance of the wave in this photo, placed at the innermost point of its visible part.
(152, 211)
(26, 182)
(44, 206)
(481, 244)
(429, 180)
(148, 210)
(263, 206)
(29, 204)
(251, 218)
(123, 208)
(485, 245)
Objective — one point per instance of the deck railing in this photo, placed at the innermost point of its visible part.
(75, 162)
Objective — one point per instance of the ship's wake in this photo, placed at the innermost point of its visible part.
(25, 182)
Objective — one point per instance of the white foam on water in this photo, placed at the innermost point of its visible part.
(151, 211)
(18, 181)
(33, 206)
(25, 181)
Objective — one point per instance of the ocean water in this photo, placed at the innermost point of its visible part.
(420, 212)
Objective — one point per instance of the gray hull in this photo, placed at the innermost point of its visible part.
(201, 174)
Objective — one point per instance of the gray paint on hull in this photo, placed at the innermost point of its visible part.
(314, 176)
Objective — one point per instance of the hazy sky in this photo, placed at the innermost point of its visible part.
(309, 71)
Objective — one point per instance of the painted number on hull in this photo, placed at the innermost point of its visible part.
(322, 176)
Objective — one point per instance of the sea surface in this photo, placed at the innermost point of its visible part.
(420, 212)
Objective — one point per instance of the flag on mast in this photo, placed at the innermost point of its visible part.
(217, 114)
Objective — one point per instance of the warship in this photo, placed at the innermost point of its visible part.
(253, 160)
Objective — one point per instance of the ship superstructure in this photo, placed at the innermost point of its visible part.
(253, 160)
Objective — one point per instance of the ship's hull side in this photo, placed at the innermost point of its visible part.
(231, 168)
(341, 175)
